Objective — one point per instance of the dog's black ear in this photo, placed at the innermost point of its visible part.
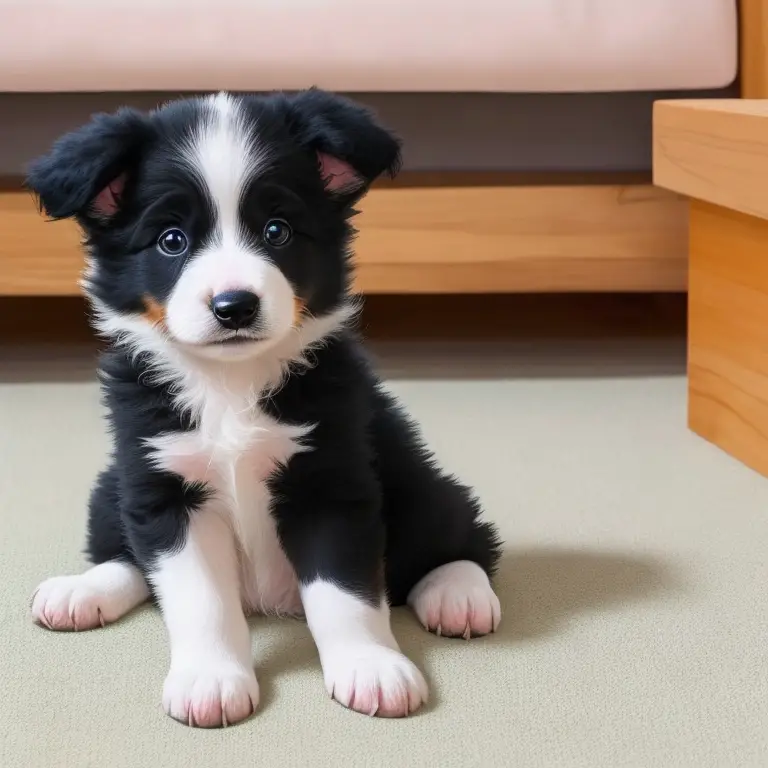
(352, 147)
(85, 172)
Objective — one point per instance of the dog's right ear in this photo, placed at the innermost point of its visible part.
(85, 172)
(352, 148)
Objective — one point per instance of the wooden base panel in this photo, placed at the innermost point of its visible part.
(453, 237)
(728, 332)
(466, 317)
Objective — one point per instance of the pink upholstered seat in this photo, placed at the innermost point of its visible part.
(353, 45)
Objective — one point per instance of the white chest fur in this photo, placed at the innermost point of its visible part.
(233, 448)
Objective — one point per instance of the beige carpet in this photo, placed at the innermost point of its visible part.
(635, 584)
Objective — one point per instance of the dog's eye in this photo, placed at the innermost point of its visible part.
(277, 233)
(173, 242)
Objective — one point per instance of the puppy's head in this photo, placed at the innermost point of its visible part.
(218, 224)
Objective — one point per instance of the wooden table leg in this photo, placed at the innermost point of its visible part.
(728, 331)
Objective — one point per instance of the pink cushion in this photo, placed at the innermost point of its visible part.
(354, 45)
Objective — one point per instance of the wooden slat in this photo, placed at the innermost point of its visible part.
(458, 239)
(37, 257)
(728, 332)
(442, 239)
(753, 48)
(714, 150)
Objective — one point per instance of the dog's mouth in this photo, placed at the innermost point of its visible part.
(237, 340)
(233, 341)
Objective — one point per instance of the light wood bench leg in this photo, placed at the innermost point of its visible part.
(716, 153)
(728, 331)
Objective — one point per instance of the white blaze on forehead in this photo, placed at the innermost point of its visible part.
(224, 155)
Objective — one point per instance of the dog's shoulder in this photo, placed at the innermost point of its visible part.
(138, 402)
(337, 383)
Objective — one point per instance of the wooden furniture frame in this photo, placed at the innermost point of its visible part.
(716, 152)
(460, 233)
(753, 48)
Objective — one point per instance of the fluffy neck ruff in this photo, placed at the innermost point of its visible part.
(191, 378)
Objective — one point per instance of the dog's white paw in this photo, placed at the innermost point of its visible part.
(456, 600)
(91, 599)
(210, 693)
(374, 680)
(67, 603)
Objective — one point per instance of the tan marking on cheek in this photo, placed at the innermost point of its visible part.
(154, 311)
(299, 310)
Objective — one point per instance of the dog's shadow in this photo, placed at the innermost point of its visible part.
(539, 590)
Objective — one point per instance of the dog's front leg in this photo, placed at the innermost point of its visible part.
(211, 681)
(362, 664)
(331, 530)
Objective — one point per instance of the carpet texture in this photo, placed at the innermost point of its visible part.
(634, 583)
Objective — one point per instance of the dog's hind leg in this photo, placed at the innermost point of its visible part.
(110, 589)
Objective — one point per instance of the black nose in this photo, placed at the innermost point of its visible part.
(235, 309)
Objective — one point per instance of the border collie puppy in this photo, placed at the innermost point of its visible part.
(258, 465)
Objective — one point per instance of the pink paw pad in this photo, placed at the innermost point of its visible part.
(375, 681)
(65, 604)
(210, 694)
(456, 600)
